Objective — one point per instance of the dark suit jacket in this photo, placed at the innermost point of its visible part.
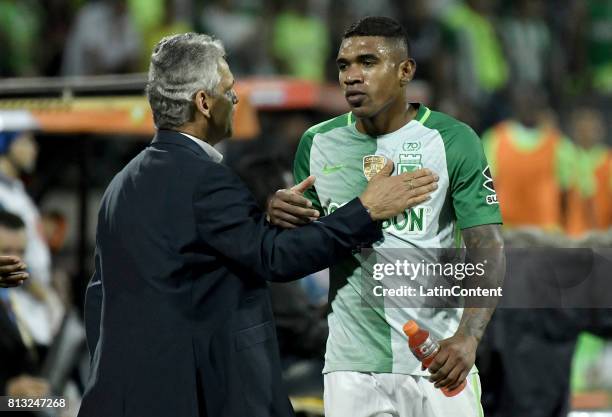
(183, 255)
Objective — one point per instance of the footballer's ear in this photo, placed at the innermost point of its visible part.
(202, 102)
(406, 71)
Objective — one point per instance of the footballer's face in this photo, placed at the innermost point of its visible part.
(372, 71)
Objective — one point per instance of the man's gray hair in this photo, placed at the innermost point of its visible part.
(181, 65)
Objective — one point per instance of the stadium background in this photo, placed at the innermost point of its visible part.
(73, 72)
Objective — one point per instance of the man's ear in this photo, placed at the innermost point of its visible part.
(406, 71)
(202, 103)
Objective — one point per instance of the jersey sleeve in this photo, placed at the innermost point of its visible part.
(471, 184)
(301, 168)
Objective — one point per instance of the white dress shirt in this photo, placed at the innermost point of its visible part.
(214, 154)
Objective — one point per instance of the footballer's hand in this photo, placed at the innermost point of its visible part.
(12, 271)
(289, 208)
(453, 362)
(387, 196)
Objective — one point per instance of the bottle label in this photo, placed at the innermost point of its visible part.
(425, 349)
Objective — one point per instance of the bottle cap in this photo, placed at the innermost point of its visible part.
(411, 327)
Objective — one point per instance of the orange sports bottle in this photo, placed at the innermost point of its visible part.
(425, 348)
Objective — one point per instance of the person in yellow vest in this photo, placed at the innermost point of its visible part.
(589, 203)
(532, 163)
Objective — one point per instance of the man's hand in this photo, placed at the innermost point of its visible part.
(12, 271)
(384, 197)
(289, 208)
(454, 361)
(27, 386)
(387, 196)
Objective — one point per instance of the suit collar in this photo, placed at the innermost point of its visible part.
(176, 138)
(214, 154)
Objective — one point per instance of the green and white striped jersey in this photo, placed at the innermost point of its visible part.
(369, 338)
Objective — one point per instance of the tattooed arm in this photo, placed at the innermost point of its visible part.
(458, 353)
(484, 245)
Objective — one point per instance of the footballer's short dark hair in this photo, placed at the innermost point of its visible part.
(379, 26)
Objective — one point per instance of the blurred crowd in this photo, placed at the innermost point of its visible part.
(37, 317)
(472, 49)
(522, 73)
(472, 56)
(532, 77)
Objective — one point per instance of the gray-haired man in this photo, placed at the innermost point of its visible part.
(178, 311)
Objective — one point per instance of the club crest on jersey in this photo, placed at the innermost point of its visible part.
(409, 162)
(372, 164)
(488, 184)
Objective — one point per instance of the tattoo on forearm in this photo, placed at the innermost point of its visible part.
(474, 321)
(484, 244)
(486, 236)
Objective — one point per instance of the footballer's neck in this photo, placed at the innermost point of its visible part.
(388, 120)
